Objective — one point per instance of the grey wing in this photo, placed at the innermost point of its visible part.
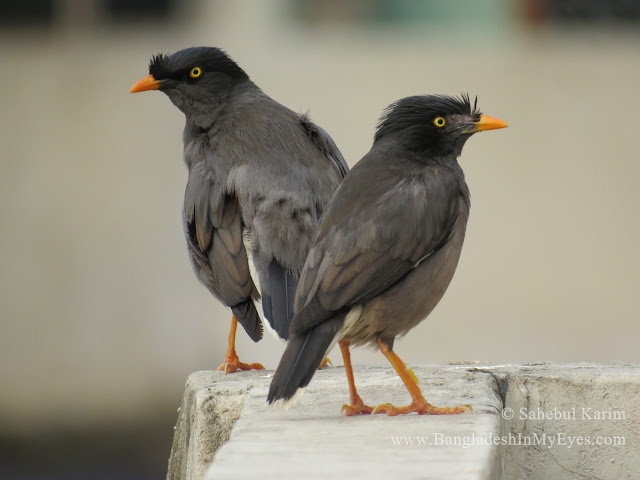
(213, 228)
(365, 246)
(326, 144)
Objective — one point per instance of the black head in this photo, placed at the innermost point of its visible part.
(434, 124)
(179, 67)
(195, 79)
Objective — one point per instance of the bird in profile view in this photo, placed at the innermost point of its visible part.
(259, 178)
(386, 248)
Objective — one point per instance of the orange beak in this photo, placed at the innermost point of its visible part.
(147, 83)
(488, 123)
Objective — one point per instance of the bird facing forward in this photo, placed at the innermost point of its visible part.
(386, 248)
(260, 176)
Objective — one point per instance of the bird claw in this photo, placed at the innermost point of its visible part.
(325, 362)
(231, 365)
(382, 408)
(420, 409)
(356, 409)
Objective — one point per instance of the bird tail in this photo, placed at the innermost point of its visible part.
(248, 317)
(278, 293)
(301, 358)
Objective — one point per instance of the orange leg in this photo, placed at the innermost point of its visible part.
(418, 404)
(356, 406)
(231, 360)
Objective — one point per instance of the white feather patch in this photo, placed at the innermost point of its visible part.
(352, 318)
(268, 327)
(248, 246)
(286, 404)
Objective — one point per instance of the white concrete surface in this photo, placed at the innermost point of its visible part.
(313, 440)
(582, 421)
(559, 421)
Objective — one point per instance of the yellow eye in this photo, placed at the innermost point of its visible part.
(195, 72)
(439, 122)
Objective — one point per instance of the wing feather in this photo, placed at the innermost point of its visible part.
(213, 225)
(379, 225)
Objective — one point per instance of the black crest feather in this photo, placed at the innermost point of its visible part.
(158, 66)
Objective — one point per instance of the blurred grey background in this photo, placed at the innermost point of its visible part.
(101, 316)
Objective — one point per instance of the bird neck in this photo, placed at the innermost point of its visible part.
(205, 111)
(450, 162)
(462, 185)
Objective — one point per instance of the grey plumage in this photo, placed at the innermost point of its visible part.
(278, 307)
(260, 176)
(389, 242)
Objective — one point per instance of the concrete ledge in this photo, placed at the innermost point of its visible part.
(211, 405)
(581, 421)
(312, 439)
(225, 430)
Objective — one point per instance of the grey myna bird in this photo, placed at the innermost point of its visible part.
(260, 176)
(386, 248)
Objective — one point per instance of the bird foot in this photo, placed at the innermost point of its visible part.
(233, 363)
(325, 362)
(356, 409)
(421, 408)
